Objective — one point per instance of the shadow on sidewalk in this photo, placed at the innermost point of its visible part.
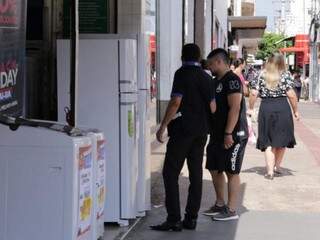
(207, 229)
(262, 171)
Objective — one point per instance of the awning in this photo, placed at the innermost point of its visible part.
(302, 54)
(247, 29)
(250, 22)
(300, 48)
(294, 49)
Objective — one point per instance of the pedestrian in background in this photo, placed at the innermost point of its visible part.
(305, 85)
(228, 137)
(240, 65)
(232, 67)
(275, 122)
(187, 118)
(298, 84)
(251, 74)
(204, 65)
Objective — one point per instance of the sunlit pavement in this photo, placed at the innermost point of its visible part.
(286, 208)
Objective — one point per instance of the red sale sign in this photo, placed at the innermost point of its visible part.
(12, 56)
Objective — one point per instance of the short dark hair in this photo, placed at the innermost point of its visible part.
(204, 64)
(221, 54)
(238, 62)
(191, 52)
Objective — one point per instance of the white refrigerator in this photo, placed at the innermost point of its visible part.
(108, 98)
(45, 184)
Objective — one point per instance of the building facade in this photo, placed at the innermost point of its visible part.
(242, 7)
(203, 22)
(297, 17)
(246, 28)
(248, 8)
(293, 17)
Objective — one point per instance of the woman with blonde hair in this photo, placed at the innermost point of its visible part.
(275, 87)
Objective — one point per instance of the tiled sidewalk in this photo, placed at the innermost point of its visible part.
(286, 208)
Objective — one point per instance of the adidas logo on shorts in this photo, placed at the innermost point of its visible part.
(234, 157)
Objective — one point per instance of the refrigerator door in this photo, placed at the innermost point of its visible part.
(128, 155)
(128, 65)
(98, 106)
(144, 172)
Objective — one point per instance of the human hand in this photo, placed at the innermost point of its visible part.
(160, 133)
(297, 116)
(228, 141)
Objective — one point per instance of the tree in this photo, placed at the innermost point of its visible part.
(270, 43)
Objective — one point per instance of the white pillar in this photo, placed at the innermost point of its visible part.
(204, 24)
(221, 17)
(237, 8)
(189, 21)
(169, 45)
(200, 16)
(207, 28)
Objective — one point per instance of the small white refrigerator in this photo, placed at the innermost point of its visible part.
(108, 99)
(45, 184)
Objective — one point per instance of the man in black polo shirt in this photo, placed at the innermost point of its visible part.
(228, 138)
(187, 118)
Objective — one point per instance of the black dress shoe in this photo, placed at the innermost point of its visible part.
(189, 223)
(168, 226)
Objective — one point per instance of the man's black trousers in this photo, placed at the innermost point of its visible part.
(179, 149)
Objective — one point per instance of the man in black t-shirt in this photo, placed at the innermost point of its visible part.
(187, 118)
(228, 137)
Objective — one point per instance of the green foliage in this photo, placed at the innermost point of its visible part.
(270, 43)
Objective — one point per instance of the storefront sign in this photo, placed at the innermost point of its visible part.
(12, 56)
(93, 16)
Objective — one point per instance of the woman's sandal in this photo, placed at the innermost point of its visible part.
(269, 176)
(278, 171)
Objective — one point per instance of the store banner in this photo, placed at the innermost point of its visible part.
(12, 56)
(93, 16)
(85, 190)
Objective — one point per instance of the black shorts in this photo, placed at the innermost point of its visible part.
(226, 160)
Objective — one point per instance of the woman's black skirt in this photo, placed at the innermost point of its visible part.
(275, 126)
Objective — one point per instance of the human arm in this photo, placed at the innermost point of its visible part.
(246, 91)
(252, 100)
(171, 111)
(244, 85)
(254, 86)
(207, 89)
(177, 92)
(293, 102)
(234, 102)
(291, 94)
(213, 106)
